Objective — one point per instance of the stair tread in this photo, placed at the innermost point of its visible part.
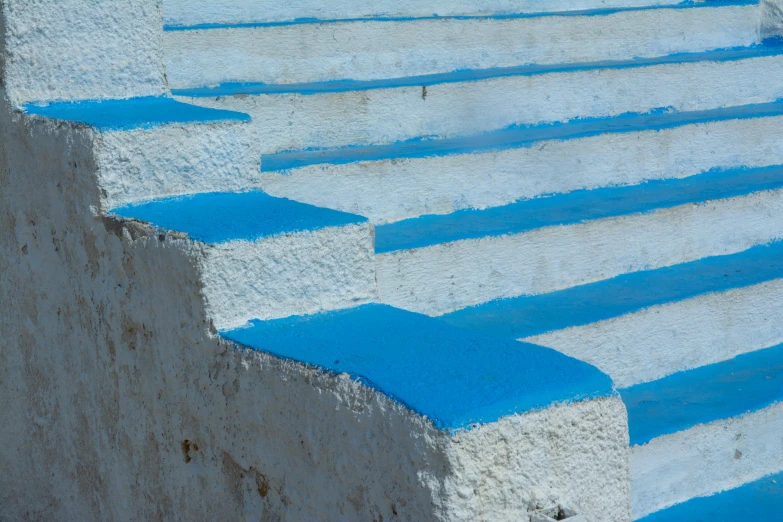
(455, 377)
(515, 136)
(252, 88)
(526, 316)
(132, 113)
(220, 217)
(722, 390)
(573, 207)
(759, 500)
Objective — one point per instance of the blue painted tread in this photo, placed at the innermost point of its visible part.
(747, 383)
(761, 500)
(454, 377)
(220, 217)
(132, 113)
(580, 305)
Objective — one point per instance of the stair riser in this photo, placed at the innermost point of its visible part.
(197, 12)
(706, 459)
(293, 122)
(391, 190)
(443, 278)
(372, 50)
(170, 160)
(291, 274)
(653, 343)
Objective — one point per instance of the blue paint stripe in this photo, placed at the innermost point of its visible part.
(220, 217)
(573, 207)
(171, 27)
(311, 88)
(455, 377)
(515, 137)
(131, 113)
(727, 389)
(580, 305)
(761, 500)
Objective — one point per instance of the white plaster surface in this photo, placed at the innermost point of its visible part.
(447, 277)
(174, 159)
(193, 12)
(658, 341)
(294, 122)
(72, 49)
(391, 190)
(706, 459)
(288, 274)
(119, 402)
(372, 50)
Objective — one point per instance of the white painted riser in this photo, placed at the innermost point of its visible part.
(706, 459)
(390, 190)
(373, 50)
(292, 122)
(653, 343)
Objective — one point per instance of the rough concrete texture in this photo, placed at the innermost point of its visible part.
(372, 50)
(442, 278)
(120, 403)
(391, 190)
(658, 341)
(706, 459)
(72, 49)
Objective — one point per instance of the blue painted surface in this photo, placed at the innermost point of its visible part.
(219, 217)
(573, 207)
(131, 113)
(530, 315)
(496, 16)
(455, 377)
(727, 389)
(515, 136)
(759, 501)
(252, 88)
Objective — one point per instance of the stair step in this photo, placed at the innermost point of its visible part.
(759, 500)
(369, 48)
(712, 428)
(427, 404)
(642, 326)
(148, 148)
(441, 263)
(268, 257)
(192, 14)
(392, 182)
(453, 377)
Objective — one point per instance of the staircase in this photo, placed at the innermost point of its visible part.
(345, 261)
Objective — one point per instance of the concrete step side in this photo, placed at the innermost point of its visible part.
(762, 499)
(151, 147)
(497, 261)
(701, 405)
(437, 177)
(182, 14)
(333, 114)
(370, 49)
(267, 257)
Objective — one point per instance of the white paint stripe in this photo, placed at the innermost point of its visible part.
(372, 50)
(706, 459)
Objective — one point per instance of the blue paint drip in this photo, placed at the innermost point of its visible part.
(455, 377)
(761, 500)
(574, 207)
(219, 217)
(516, 136)
(686, 399)
(131, 113)
(770, 48)
(531, 315)
(495, 16)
